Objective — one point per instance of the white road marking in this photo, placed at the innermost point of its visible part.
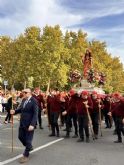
(36, 149)
(16, 117)
(8, 129)
(15, 147)
(3, 116)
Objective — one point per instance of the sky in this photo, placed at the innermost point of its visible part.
(102, 20)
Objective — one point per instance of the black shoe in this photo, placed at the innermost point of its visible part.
(31, 149)
(118, 141)
(35, 127)
(51, 135)
(87, 140)
(110, 126)
(75, 136)
(114, 133)
(80, 140)
(96, 136)
(57, 135)
(65, 129)
(67, 136)
(40, 127)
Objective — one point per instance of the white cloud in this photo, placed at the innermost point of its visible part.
(15, 17)
(48, 12)
(93, 8)
(115, 44)
(117, 52)
(39, 13)
(102, 12)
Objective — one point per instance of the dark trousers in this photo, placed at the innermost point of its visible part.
(62, 119)
(115, 122)
(39, 117)
(8, 116)
(95, 122)
(54, 122)
(26, 138)
(3, 107)
(108, 120)
(70, 118)
(83, 126)
(119, 127)
(48, 115)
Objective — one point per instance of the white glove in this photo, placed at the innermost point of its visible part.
(30, 128)
(110, 114)
(64, 113)
(123, 121)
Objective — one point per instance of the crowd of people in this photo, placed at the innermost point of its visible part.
(84, 112)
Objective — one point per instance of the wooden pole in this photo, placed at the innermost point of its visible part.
(12, 131)
(100, 119)
(12, 124)
(48, 87)
(100, 122)
(47, 93)
(90, 122)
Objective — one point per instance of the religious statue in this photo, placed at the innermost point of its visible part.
(87, 62)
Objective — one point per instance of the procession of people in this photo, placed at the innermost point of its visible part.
(82, 112)
(79, 112)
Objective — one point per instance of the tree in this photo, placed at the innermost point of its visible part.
(43, 57)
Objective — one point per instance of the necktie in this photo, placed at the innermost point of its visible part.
(26, 101)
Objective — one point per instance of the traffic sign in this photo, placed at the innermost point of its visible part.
(5, 82)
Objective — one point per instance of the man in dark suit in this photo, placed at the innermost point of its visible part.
(29, 111)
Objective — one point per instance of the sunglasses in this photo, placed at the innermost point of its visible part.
(25, 92)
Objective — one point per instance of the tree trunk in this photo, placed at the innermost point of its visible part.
(12, 88)
(48, 87)
(25, 84)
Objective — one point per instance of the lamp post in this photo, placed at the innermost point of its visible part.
(1, 74)
(5, 83)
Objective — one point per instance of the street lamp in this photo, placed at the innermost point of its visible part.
(1, 77)
(1, 74)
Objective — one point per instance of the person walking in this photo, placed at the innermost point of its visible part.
(8, 108)
(29, 112)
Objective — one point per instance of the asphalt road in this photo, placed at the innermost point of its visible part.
(60, 151)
